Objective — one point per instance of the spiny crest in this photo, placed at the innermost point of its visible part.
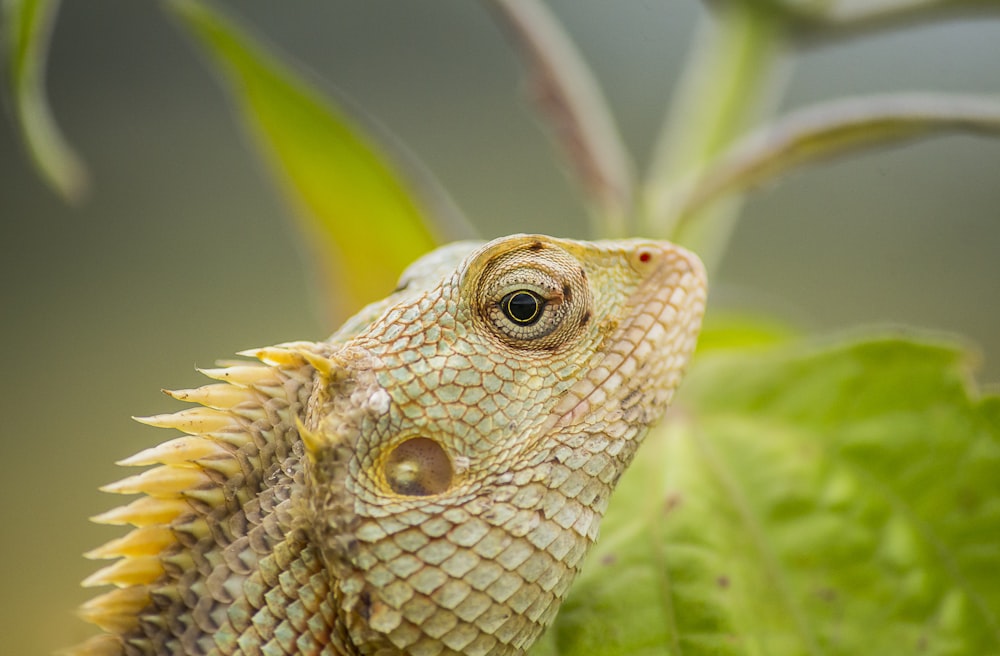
(188, 481)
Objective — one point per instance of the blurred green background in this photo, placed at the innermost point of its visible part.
(184, 253)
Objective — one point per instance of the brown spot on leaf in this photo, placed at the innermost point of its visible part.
(673, 502)
(828, 595)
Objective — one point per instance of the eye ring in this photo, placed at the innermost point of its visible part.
(523, 307)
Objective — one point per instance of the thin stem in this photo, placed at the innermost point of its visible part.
(727, 84)
(851, 17)
(571, 102)
(831, 129)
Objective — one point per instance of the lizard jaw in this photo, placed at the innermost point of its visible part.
(669, 306)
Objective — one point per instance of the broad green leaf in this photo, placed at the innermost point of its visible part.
(359, 219)
(836, 499)
(29, 25)
(729, 330)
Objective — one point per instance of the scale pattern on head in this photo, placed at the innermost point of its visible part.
(436, 470)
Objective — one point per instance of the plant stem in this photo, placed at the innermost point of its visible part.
(570, 101)
(729, 82)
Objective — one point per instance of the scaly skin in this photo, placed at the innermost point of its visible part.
(426, 481)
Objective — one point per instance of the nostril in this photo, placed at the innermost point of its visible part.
(418, 467)
(644, 256)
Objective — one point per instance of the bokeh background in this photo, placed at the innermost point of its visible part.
(184, 253)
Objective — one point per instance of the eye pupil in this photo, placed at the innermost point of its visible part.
(522, 307)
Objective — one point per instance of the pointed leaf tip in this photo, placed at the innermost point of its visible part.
(29, 27)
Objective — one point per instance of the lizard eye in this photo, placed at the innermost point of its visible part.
(525, 315)
(523, 307)
(534, 296)
(418, 467)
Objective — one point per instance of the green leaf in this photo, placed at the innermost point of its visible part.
(729, 330)
(358, 218)
(832, 499)
(29, 26)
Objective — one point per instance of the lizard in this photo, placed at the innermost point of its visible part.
(426, 481)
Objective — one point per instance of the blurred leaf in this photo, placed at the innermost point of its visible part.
(839, 499)
(835, 128)
(839, 12)
(29, 27)
(836, 19)
(731, 330)
(569, 98)
(359, 219)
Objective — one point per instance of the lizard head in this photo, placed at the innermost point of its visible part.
(426, 481)
(464, 444)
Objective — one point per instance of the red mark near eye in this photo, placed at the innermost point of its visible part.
(645, 256)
